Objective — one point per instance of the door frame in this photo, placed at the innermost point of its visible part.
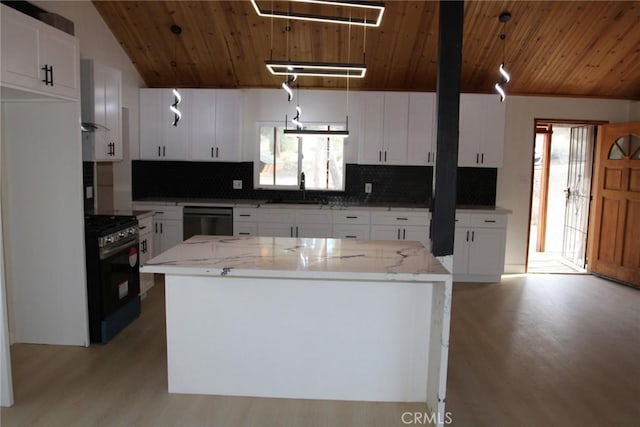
(539, 122)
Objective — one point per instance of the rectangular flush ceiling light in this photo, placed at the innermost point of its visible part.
(358, 7)
(320, 69)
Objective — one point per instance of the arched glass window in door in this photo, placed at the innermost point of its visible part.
(625, 147)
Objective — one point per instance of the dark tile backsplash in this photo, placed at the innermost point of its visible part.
(391, 184)
(476, 186)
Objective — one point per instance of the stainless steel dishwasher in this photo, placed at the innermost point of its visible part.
(207, 220)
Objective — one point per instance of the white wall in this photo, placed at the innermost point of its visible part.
(634, 111)
(514, 177)
(98, 43)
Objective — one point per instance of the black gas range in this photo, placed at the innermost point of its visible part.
(113, 279)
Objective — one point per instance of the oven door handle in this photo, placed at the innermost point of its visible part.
(107, 252)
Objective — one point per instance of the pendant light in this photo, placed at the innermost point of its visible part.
(177, 115)
(504, 74)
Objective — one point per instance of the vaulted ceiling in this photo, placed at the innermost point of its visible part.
(565, 48)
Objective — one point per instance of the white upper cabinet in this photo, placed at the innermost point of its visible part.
(228, 124)
(396, 110)
(482, 121)
(372, 111)
(101, 106)
(159, 139)
(208, 131)
(397, 128)
(38, 57)
(203, 138)
(216, 124)
(421, 135)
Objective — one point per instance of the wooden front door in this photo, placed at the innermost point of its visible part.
(614, 238)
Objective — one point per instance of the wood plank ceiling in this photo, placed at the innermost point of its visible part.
(566, 48)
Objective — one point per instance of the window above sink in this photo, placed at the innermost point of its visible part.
(283, 158)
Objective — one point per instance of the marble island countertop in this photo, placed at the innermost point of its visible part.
(299, 258)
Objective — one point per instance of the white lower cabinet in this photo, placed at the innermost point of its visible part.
(294, 222)
(479, 247)
(167, 225)
(245, 221)
(351, 224)
(401, 225)
(145, 228)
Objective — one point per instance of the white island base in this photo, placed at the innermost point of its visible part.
(306, 319)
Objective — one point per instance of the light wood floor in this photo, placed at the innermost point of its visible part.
(538, 350)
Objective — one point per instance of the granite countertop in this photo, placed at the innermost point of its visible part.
(291, 204)
(139, 214)
(301, 258)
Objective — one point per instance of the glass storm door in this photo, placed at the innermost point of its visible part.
(578, 194)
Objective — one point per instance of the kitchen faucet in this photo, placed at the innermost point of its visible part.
(302, 185)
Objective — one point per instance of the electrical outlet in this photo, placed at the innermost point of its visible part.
(368, 187)
(237, 184)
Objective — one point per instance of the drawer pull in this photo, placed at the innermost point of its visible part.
(142, 227)
(489, 220)
(350, 237)
(245, 215)
(402, 219)
(352, 217)
(244, 234)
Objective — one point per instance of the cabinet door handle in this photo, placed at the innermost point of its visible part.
(159, 153)
(429, 157)
(385, 155)
(473, 236)
(48, 75)
(482, 158)
(467, 235)
(211, 152)
(156, 227)
(164, 151)
(477, 158)
(143, 227)
(291, 231)
(296, 231)
(379, 156)
(398, 234)
(217, 155)
(404, 234)
(161, 229)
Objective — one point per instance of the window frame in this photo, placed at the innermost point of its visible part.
(256, 167)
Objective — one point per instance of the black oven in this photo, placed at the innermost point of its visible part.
(113, 279)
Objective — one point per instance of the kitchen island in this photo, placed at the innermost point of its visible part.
(306, 318)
